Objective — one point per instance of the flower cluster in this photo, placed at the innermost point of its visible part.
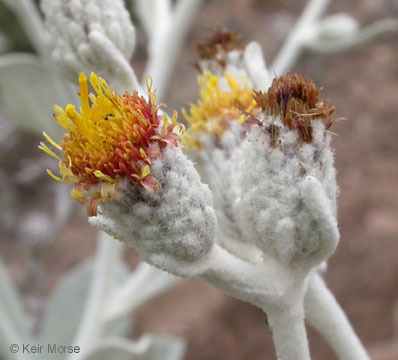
(260, 150)
(114, 137)
(250, 205)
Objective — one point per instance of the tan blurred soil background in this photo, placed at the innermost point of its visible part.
(363, 273)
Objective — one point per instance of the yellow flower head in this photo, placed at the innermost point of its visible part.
(217, 108)
(114, 137)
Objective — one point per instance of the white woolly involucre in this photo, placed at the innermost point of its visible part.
(219, 163)
(177, 223)
(288, 194)
(89, 35)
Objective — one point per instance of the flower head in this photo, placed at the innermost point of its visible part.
(221, 53)
(213, 114)
(114, 137)
(296, 101)
(287, 204)
(217, 46)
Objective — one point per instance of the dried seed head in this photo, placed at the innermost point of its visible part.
(296, 101)
(218, 45)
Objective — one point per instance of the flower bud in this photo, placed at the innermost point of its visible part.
(92, 35)
(288, 183)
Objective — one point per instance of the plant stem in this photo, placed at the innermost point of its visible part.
(255, 283)
(288, 333)
(327, 317)
(293, 45)
(360, 37)
(271, 287)
(165, 42)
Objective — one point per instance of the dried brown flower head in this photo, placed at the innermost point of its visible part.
(218, 45)
(296, 101)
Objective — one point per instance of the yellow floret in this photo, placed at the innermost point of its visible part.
(213, 114)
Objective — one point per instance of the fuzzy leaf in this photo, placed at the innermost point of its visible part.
(28, 92)
(146, 348)
(65, 310)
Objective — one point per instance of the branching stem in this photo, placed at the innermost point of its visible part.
(166, 40)
(327, 317)
(293, 45)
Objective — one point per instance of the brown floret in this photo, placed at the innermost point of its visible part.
(218, 45)
(297, 101)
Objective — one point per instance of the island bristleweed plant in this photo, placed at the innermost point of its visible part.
(255, 217)
(239, 190)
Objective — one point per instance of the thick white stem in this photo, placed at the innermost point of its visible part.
(289, 334)
(102, 284)
(272, 288)
(148, 10)
(326, 316)
(255, 283)
(293, 45)
(166, 41)
(143, 284)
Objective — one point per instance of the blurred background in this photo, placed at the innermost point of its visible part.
(363, 273)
